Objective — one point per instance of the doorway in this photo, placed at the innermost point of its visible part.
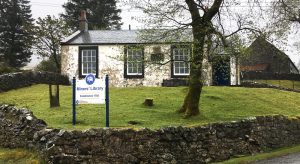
(221, 70)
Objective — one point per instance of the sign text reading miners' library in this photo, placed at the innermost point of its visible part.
(90, 91)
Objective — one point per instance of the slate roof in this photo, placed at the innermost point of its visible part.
(261, 52)
(98, 37)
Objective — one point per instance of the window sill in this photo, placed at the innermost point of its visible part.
(133, 76)
(179, 76)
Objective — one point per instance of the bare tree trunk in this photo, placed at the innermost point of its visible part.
(191, 102)
(202, 27)
(54, 99)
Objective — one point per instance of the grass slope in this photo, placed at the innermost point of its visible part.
(18, 156)
(217, 104)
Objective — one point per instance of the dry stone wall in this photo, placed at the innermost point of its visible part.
(251, 84)
(17, 127)
(202, 144)
(24, 79)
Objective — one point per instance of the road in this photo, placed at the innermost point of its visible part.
(288, 159)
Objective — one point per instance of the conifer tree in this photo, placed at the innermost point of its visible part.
(16, 37)
(101, 14)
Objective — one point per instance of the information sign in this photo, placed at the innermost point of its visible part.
(90, 90)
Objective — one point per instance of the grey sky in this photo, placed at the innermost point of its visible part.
(41, 8)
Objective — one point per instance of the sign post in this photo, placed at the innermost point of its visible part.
(107, 100)
(91, 91)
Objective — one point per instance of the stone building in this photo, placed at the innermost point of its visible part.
(128, 60)
(264, 57)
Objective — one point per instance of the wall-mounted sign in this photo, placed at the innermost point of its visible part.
(90, 90)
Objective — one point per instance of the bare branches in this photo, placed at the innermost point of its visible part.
(287, 10)
(193, 11)
(182, 34)
(210, 17)
(161, 13)
(213, 10)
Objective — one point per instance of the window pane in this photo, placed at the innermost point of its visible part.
(129, 67)
(139, 65)
(93, 70)
(134, 60)
(129, 56)
(84, 68)
(181, 57)
(134, 70)
(89, 62)
(187, 69)
(139, 55)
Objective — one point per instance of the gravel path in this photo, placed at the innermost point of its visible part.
(288, 159)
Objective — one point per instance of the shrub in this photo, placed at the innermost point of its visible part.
(47, 65)
(5, 68)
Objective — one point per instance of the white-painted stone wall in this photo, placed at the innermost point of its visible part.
(206, 72)
(111, 62)
(69, 61)
(234, 72)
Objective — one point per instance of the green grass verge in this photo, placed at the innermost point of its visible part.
(18, 156)
(22, 156)
(275, 153)
(218, 104)
(282, 83)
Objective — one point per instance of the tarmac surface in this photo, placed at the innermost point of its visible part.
(288, 159)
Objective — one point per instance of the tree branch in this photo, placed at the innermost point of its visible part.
(213, 10)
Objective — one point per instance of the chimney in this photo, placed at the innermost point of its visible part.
(83, 24)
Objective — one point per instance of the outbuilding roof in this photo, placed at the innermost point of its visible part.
(93, 37)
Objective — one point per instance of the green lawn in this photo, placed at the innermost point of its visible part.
(18, 156)
(282, 83)
(217, 104)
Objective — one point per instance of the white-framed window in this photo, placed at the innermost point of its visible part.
(88, 61)
(181, 64)
(134, 65)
